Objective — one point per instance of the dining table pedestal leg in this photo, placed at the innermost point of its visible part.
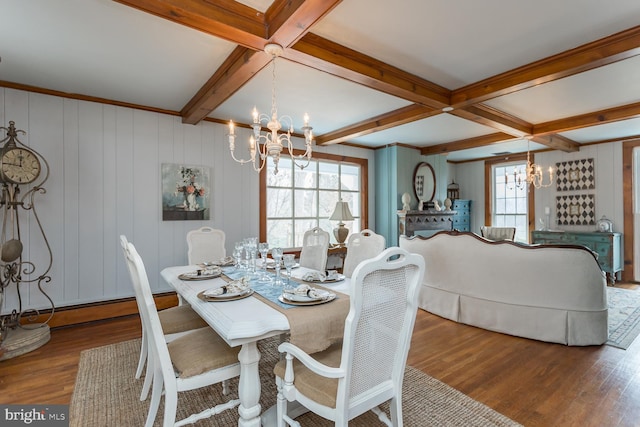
(249, 386)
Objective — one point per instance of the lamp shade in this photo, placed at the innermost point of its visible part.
(341, 212)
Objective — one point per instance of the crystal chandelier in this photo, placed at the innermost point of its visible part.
(532, 175)
(271, 144)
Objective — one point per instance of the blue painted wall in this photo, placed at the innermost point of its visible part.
(394, 176)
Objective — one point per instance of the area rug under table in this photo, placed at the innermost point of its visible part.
(106, 394)
(624, 316)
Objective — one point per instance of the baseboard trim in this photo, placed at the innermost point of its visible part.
(73, 315)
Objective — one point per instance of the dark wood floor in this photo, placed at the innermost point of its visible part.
(532, 382)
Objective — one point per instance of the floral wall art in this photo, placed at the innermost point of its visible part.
(185, 192)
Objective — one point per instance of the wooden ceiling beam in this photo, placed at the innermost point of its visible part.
(557, 142)
(496, 119)
(226, 19)
(465, 144)
(340, 61)
(285, 22)
(289, 20)
(237, 69)
(388, 120)
(601, 117)
(619, 46)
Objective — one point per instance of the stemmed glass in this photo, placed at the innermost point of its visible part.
(263, 248)
(252, 245)
(247, 253)
(276, 253)
(289, 260)
(237, 254)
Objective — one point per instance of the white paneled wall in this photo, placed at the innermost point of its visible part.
(105, 181)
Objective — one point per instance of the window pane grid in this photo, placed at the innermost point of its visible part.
(510, 201)
(298, 200)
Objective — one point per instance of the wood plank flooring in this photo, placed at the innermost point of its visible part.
(532, 382)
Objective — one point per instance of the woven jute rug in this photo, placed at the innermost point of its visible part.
(106, 394)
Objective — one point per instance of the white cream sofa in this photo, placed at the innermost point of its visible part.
(554, 293)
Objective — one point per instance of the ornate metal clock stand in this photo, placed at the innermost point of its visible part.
(21, 330)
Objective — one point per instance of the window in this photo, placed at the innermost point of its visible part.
(296, 200)
(510, 201)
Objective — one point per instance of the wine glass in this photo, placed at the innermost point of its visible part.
(237, 254)
(247, 254)
(276, 253)
(263, 248)
(289, 260)
(252, 246)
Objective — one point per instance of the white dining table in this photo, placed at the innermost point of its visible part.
(240, 323)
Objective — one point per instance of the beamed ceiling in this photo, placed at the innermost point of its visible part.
(467, 78)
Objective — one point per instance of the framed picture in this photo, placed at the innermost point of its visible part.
(575, 175)
(186, 191)
(576, 209)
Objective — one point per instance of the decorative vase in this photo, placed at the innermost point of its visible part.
(191, 204)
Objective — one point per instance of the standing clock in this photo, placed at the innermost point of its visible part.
(23, 171)
(19, 165)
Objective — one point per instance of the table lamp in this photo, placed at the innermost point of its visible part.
(341, 213)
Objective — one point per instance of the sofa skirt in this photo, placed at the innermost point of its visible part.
(576, 328)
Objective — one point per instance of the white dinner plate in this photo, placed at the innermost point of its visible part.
(193, 275)
(226, 297)
(332, 279)
(330, 297)
(224, 294)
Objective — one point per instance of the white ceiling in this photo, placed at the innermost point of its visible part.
(104, 49)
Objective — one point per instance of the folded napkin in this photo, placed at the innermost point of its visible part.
(314, 276)
(307, 291)
(235, 287)
(210, 270)
(332, 274)
(228, 260)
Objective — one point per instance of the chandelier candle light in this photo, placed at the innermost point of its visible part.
(271, 144)
(531, 175)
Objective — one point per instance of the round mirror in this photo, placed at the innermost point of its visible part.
(424, 182)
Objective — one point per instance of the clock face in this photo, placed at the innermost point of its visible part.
(19, 166)
(604, 225)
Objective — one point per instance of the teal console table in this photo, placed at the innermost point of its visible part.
(608, 246)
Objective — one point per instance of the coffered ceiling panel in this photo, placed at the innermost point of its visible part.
(455, 43)
(103, 49)
(610, 131)
(605, 87)
(423, 133)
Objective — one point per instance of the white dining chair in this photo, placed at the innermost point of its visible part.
(313, 254)
(367, 368)
(205, 244)
(362, 246)
(175, 321)
(197, 359)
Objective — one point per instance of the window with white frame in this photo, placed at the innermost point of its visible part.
(300, 199)
(510, 202)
